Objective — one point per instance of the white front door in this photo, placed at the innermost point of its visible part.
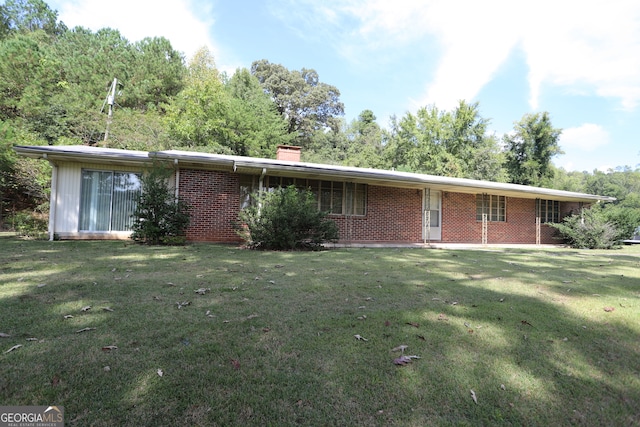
(431, 215)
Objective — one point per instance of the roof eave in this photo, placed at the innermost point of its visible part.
(372, 176)
(56, 154)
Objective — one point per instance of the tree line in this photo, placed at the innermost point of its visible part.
(54, 83)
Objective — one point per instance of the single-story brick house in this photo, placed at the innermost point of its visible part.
(93, 192)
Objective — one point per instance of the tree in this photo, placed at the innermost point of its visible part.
(530, 148)
(197, 115)
(365, 142)
(307, 104)
(27, 16)
(159, 217)
(447, 143)
(256, 127)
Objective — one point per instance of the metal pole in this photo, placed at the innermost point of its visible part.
(110, 100)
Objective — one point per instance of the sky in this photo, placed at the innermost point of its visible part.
(578, 60)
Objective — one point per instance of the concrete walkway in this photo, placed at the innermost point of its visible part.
(435, 245)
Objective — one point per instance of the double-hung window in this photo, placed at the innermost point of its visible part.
(548, 210)
(494, 207)
(108, 200)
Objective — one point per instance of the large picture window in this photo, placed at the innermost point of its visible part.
(495, 207)
(548, 210)
(108, 200)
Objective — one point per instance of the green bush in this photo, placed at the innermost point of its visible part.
(29, 223)
(625, 219)
(159, 218)
(286, 219)
(591, 230)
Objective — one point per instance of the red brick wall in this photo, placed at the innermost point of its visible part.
(392, 215)
(459, 224)
(214, 200)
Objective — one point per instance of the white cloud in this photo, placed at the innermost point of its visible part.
(185, 24)
(586, 137)
(579, 45)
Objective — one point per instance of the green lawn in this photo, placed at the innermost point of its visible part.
(541, 336)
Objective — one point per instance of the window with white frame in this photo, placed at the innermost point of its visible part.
(108, 200)
(548, 210)
(335, 197)
(494, 207)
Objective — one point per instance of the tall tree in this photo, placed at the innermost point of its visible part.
(449, 143)
(256, 126)
(307, 104)
(29, 15)
(365, 142)
(197, 115)
(530, 148)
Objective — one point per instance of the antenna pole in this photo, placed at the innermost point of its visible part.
(111, 96)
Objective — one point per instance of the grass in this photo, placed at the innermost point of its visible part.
(271, 341)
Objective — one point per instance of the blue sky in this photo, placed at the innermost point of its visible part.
(577, 59)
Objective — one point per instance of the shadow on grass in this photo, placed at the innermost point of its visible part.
(272, 340)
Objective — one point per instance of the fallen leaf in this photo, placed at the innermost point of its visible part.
(252, 316)
(86, 308)
(442, 316)
(524, 322)
(32, 339)
(235, 363)
(401, 348)
(109, 347)
(414, 324)
(266, 329)
(387, 323)
(55, 380)
(473, 396)
(360, 338)
(402, 360)
(3, 335)
(609, 309)
(42, 285)
(107, 309)
(502, 387)
(421, 337)
(15, 347)
(84, 330)
(68, 316)
(202, 291)
(106, 368)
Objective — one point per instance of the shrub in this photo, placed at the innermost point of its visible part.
(286, 219)
(591, 230)
(28, 223)
(159, 218)
(625, 219)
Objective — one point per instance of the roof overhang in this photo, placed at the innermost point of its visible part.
(258, 166)
(84, 153)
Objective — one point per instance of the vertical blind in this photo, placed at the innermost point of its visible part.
(108, 200)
